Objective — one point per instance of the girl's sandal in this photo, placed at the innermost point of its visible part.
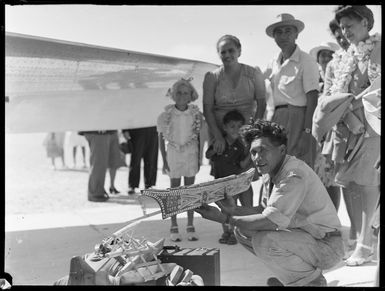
(358, 261)
(191, 235)
(174, 234)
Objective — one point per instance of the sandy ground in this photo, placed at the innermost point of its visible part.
(31, 186)
(59, 214)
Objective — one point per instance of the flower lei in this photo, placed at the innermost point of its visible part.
(346, 64)
(196, 126)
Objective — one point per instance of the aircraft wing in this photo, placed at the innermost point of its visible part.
(54, 85)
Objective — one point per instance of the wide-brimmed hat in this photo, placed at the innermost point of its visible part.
(331, 46)
(372, 105)
(285, 19)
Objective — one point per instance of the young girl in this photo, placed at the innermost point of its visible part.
(179, 126)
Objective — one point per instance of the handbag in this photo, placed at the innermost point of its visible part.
(126, 147)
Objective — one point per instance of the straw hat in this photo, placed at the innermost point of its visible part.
(330, 46)
(285, 19)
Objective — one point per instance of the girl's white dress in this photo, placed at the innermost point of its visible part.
(181, 131)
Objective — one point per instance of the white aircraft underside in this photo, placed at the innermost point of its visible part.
(54, 85)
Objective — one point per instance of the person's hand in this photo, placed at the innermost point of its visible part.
(219, 144)
(227, 205)
(210, 213)
(303, 145)
(166, 168)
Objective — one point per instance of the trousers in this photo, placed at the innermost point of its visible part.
(296, 257)
(104, 154)
(145, 146)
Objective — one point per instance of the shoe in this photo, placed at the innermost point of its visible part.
(113, 190)
(174, 234)
(131, 191)
(232, 240)
(272, 281)
(224, 238)
(358, 261)
(102, 198)
(320, 281)
(191, 235)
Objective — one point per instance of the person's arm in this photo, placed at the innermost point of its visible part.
(269, 112)
(252, 222)
(310, 79)
(249, 218)
(126, 134)
(210, 152)
(209, 84)
(329, 76)
(162, 148)
(312, 100)
(260, 94)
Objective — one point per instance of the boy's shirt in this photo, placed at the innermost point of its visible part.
(228, 163)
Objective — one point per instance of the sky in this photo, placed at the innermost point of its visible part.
(180, 31)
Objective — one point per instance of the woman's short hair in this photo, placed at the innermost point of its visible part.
(358, 12)
(232, 38)
(263, 128)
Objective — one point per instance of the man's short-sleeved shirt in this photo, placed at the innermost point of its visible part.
(291, 80)
(298, 199)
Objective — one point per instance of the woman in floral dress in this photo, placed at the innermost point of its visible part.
(355, 172)
(179, 126)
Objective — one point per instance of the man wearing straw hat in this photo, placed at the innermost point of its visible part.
(294, 81)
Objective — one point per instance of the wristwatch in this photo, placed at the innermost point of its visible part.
(307, 130)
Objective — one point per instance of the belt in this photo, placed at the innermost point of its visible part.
(280, 106)
(333, 233)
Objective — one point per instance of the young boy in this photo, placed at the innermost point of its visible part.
(234, 160)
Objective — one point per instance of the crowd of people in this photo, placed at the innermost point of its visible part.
(321, 138)
(318, 138)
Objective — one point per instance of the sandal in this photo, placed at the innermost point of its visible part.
(232, 240)
(191, 235)
(224, 238)
(358, 261)
(174, 234)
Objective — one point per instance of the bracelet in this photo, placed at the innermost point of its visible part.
(307, 130)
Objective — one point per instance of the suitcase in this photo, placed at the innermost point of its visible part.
(201, 261)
